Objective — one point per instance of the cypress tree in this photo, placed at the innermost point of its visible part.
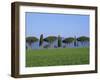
(41, 40)
(59, 41)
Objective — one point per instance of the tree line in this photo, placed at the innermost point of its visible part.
(51, 39)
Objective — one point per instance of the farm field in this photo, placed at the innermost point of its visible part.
(57, 56)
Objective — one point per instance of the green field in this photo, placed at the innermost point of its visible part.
(58, 56)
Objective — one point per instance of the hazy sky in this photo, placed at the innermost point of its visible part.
(65, 25)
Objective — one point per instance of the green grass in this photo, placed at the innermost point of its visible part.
(58, 56)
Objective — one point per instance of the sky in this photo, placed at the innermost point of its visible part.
(50, 24)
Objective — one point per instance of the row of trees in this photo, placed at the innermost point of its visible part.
(51, 39)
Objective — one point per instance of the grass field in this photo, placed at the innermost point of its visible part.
(58, 56)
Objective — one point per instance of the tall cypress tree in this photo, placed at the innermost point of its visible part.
(41, 40)
(59, 41)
